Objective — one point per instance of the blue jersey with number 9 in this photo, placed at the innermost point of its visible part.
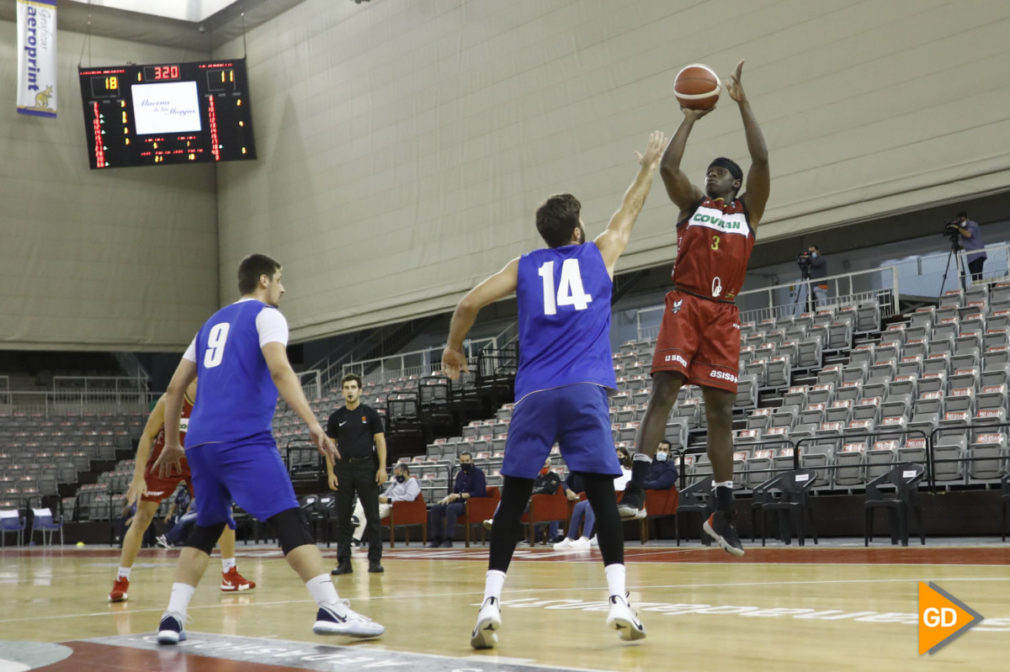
(563, 296)
(236, 394)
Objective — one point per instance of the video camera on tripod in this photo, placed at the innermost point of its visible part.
(952, 230)
(803, 261)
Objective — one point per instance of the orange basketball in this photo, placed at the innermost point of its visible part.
(697, 87)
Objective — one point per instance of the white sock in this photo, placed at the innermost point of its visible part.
(615, 579)
(494, 581)
(227, 564)
(722, 484)
(178, 601)
(124, 573)
(322, 590)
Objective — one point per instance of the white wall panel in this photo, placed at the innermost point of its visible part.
(404, 144)
(113, 259)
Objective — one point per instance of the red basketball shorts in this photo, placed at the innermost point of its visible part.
(159, 488)
(700, 340)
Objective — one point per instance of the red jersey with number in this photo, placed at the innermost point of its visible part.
(713, 247)
(159, 440)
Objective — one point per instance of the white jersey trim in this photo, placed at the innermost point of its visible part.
(190, 353)
(272, 327)
(711, 218)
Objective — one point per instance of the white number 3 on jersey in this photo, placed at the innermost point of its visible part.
(570, 291)
(216, 340)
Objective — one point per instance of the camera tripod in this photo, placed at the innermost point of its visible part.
(954, 247)
(804, 283)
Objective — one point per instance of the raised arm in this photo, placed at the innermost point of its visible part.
(498, 286)
(615, 237)
(678, 186)
(758, 185)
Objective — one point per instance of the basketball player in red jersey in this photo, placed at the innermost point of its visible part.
(150, 489)
(699, 338)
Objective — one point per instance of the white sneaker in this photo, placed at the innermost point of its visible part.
(581, 544)
(623, 618)
(488, 523)
(488, 621)
(340, 619)
(594, 542)
(564, 545)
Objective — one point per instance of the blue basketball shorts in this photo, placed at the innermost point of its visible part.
(576, 416)
(249, 473)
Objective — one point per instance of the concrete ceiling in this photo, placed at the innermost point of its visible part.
(185, 10)
(224, 25)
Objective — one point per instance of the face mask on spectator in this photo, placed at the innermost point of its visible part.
(400, 478)
(661, 457)
(466, 467)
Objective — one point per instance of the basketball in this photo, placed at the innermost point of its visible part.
(697, 87)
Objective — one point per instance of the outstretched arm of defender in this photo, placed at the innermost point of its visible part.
(758, 177)
(614, 239)
(498, 286)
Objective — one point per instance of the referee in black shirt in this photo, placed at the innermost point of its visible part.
(359, 469)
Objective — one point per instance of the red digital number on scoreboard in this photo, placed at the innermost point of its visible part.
(162, 72)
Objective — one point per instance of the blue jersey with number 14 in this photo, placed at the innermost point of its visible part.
(237, 396)
(563, 295)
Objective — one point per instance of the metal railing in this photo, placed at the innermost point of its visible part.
(995, 269)
(78, 394)
(311, 382)
(413, 363)
(48, 405)
(878, 285)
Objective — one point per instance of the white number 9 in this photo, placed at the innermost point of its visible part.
(216, 340)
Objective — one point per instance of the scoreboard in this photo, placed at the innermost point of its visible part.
(145, 115)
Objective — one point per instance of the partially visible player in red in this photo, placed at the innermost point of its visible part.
(699, 337)
(151, 489)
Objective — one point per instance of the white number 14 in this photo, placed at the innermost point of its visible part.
(570, 291)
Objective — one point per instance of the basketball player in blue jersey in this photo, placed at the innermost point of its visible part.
(241, 358)
(565, 372)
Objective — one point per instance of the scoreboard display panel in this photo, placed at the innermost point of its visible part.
(146, 115)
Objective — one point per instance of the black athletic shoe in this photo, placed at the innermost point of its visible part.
(722, 529)
(632, 504)
(343, 568)
(375, 568)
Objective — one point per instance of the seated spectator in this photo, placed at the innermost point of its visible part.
(470, 482)
(546, 483)
(662, 473)
(404, 488)
(582, 514)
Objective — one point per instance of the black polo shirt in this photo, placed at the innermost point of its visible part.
(353, 430)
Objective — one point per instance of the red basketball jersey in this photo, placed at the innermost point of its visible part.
(713, 247)
(159, 440)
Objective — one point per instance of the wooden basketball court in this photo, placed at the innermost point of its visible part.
(828, 607)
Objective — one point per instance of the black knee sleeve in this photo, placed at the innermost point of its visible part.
(291, 529)
(205, 538)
